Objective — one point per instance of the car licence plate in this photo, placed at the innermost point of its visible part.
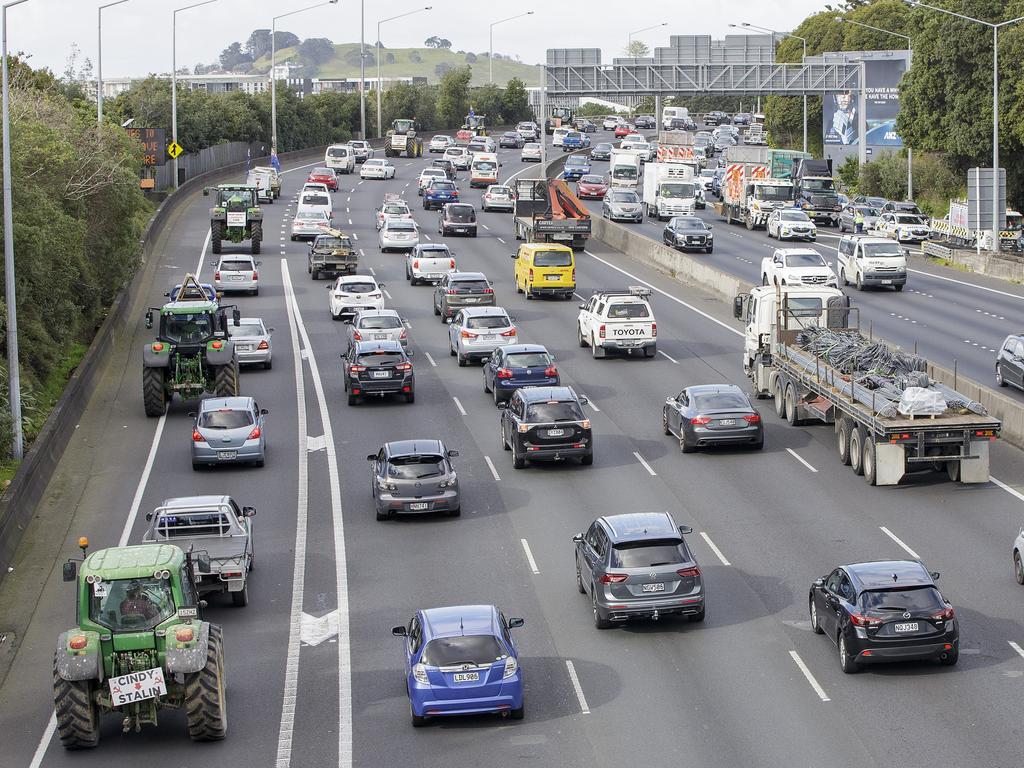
(382, 374)
(911, 626)
(659, 587)
(419, 506)
(466, 677)
(378, 336)
(137, 686)
(237, 277)
(726, 422)
(887, 282)
(226, 454)
(471, 301)
(552, 277)
(556, 432)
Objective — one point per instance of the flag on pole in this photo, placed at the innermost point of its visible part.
(248, 158)
(274, 161)
(471, 112)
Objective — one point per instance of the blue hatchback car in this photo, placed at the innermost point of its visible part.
(461, 660)
(518, 365)
(438, 193)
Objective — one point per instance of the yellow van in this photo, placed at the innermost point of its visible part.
(545, 269)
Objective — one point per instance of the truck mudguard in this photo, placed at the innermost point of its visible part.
(155, 359)
(222, 356)
(188, 656)
(78, 664)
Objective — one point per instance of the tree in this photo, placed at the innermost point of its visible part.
(444, 43)
(258, 44)
(487, 101)
(637, 49)
(453, 96)
(441, 68)
(471, 58)
(515, 102)
(415, 57)
(316, 50)
(432, 42)
(234, 57)
(389, 58)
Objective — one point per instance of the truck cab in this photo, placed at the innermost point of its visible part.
(871, 261)
(815, 191)
(670, 190)
(624, 169)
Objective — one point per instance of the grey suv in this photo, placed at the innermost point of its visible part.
(462, 289)
(414, 476)
(637, 565)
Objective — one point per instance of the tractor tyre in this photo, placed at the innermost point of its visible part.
(78, 717)
(216, 235)
(154, 396)
(226, 380)
(205, 699)
(257, 236)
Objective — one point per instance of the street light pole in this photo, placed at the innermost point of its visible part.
(99, 59)
(362, 69)
(629, 39)
(490, 55)
(380, 117)
(802, 40)
(13, 366)
(273, 67)
(995, 27)
(174, 79)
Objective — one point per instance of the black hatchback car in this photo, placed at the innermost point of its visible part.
(883, 611)
(712, 414)
(1010, 362)
(602, 151)
(378, 368)
(689, 232)
(511, 139)
(457, 219)
(546, 423)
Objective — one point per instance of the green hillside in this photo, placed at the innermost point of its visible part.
(344, 53)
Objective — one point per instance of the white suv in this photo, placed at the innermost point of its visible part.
(796, 266)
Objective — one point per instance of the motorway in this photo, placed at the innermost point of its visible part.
(315, 678)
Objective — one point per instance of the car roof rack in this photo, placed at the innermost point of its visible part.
(639, 291)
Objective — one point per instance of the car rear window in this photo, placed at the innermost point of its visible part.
(172, 526)
(416, 467)
(381, 357)
(628, 311)
(379, 322)
(357, 287)
(245, 330)
(465, 649)
(925, 598)
(528, 360)
(461, 213)
(443, 185)
(225, 419)
(311, 215)
(487, 321)
(720, 401)
(332, 242)
(235, 266)
(541, 413)
(648, 554)
(552, 259)
(469, 286)
(314, 199)
(405, 225)
(322, 172)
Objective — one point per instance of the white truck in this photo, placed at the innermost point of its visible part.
(618, 321)
(670, 113)
(669, 190)
(749, 194)
(624, 168)
(756, 135)
(871, 261)
(802, 347)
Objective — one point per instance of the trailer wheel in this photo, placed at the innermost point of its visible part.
(780, 402)
(843, 440)
(791, 406)
(870, 470)
(857, 451)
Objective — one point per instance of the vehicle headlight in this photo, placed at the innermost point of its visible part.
(511, 667)
(419, 672)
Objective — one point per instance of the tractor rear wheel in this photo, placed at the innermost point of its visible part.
(78, 717)
(226, 381)
(205, 699)
(216, 235)
(257, 236)
(154, 396)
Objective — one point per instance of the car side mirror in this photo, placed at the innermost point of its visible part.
(502, 405)
(514, 255)
(819, 582)
(399, 631)
(69, 571)
(452, 454)
(515, 623)
(203, 561)
(236, 317)
(584, 400)
(213, 263)
(329, 286)
(206, 191)
(149, 516)
(578, 538)
(264, 412)
(582, 306)
(737, 307)
(342, 355)
(382, 285)
(149, 320)
(191, 414)
(248, 511)
(711, 226)
(934, 574)
(685, 530)
(410, 353)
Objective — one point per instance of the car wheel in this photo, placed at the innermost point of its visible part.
(518, 714)
(1000, 381)
(579, 577)
(451, 350)
(417, 720)
(843, 440)
(197, 466)
(496, 396)
(815, 623)
(587, 459)
(504, 442)
(664, 423)
(1018, 568)
(842, 277)
(353, 399)
(463, 361)
(579, 333)
(517, 461)
(684, 445)
(487, 387)
(857, 451)
(860, 282)
(846, 662)
(600, 622)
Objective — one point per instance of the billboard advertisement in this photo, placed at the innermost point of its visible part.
(840, 117)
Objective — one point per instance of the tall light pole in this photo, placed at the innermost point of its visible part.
(995, 27)
(362, 69)
(380, 118)
(910, 152)
(273, 67)
(99, 59)
(802, 40)
(638, 31)
(490, 55)
(174, 78)
(13, 366)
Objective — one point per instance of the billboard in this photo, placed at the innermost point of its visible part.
(840, 117)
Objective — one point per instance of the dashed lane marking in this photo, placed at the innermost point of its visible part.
(810, 678)
(900, 542)
(716, 550)
(494, 472)
(529, 556)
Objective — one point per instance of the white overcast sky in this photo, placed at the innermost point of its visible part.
(137, 34)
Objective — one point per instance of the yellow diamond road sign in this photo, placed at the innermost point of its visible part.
(174, 149)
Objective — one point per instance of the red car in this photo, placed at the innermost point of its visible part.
(323, 176)
(623, 129)
(591, 187)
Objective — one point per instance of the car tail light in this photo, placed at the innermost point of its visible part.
(451, 291)
(404, 334)
(216, 275)
(488, 290)
(574, 276)
(158, 346)
(531, 274)
(945, 614)
(184, 634)
(197, 436)
(467, 335)
(403, 367)
(504, 373)
(255, 434)
(263, 345)
(419, 672)
(451, 263)
(356, 368)
(255, 275)
(689, 573)
(416, 264)
(752, 418)
(511, 666)
(509, 332)
(613, 578)
(864, 621)
(357, 336)
(78, 642)
(698, 421)
(600, 331)
(338, 295)
(550, 371)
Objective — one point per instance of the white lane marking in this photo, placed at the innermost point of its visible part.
(899, 541)
(299, 168)
(964, 282)
(355, 236)
(1012, 491)
(800, 458)
(676, 362)
(202, 253)
(648, 467)
(340, 555)
(584, 709)
(360, 182)
(426, 236)
(44, 742)
(430, 359)
(1017, 648)
(372, 272)
(591, 403)
(362, 252)
(716, 550)
(348, 199)
(703, 314)
(501, 241)
(390, 298)
(578, 296)
(529, 556)
(459, 406)
(810, 678)
(494, 472)
(347, 209)
(291, 670)
(350, 222)
(486, 227)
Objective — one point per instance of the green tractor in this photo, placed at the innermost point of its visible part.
(192, 353)
(138, 646)
(403, 137)
(235, 215)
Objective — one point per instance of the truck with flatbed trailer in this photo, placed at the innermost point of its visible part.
(546, 211)
(803, 348)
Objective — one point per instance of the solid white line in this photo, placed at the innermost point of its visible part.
(299, 168)
(459, 406)
(800, 458)
(647, 466)
(1012, 491)
(666, 294)
(670, 358)
(899, 541)
(44, 742)
(430, 359)
(1016, 647)
(340, 555)
(133, 513)
(964, 282)
(810, 678)
(286, 728)
(584, 709)
(494, 472)
(529, 556)
(359, 183)
(202, 253)
(714, 549)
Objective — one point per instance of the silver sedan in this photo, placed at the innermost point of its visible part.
(229, 430)
(252, 341)
(476, 332)
(309, 224)
(377, 325)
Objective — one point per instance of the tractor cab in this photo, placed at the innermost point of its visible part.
(404, 125)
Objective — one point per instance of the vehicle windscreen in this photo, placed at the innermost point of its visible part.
(129, 605)
(552, 259)
(624, 197)
(899, 600)
(545, 413)
(818, 185)
(401, 225)
(688, 222)
(337, 152)
(416, 467)
(396, 210)
(648, 554)
(465, 649)
(461, 213)
(443, 185)
(225, 419)
(187, 329)
(626, 172)
(773, 193)
(354, 287)
(488, 321)
(315, 199)
(591, 180)
(793, 216)
(883, 251)
(805, 260)
(331, 243)
(677, 190)
(311, 215)
(528, 360)
(322, 172)
(469, 286)
(431, 251)
(245, 329)
(242, 265)
(379, 322)
(380, 357)
(803, 306)
(629, 311)
(720, 401)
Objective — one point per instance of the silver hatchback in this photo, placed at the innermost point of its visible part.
(414, 476)
(476, 332)
(377, 325)
(252, 342)
(229, 430)
(236, 273)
